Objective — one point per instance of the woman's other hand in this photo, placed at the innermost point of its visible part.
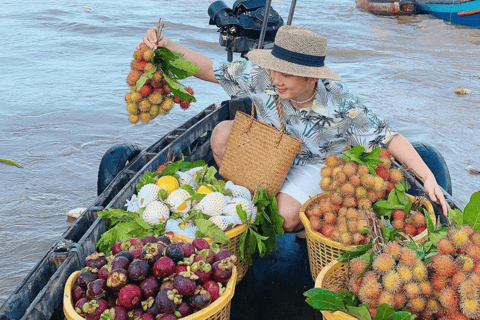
(435, 193)
(150, 39)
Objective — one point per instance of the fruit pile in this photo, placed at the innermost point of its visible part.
(152, 95)
(151, 278)
(443, 286)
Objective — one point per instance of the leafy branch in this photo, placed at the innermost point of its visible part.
(359, 155)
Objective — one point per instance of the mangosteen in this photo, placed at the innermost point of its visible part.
(203, 270)
(93, 309)
(111, 300)
(147, 316)
(149, 239)
(167, 285)
(223, 254)
(136, 313)
(187, 261)
(151, 252)
(96, 289)
(85, 277)
(168, 317)
(132, 244)
(115, 313)
(175, 252)
(77, 293)
(104, 272)
(214, 288)
(138, 270)
(117, 279)
(208, 254)
(149, 287)
(116, 248)
(185, 283)
(188, 249)
(149, 306)
(126, 254)
(129, 296)
(163, 268)
(200, 244)
(180, 268)
(184, 309)
(137, 253)
(163, 240)
(96, 260)
(120, 262)
(167, 300)
(201, 299)
(79, 304)
(222, 270)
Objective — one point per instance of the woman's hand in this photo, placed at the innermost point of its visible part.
(150, 39)
(435, 193)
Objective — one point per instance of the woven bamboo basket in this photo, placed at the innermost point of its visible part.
(333, 272)
(234, 236)
(323, 250)
(218, 310)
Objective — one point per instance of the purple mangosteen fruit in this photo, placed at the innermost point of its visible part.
(136, 313)
(77, 293)
(137, 254)
(185, 283)
(163, 240)
(138, 270)
(120, 262)
(167, 285)
(149, 239)
(129, 296)
(85, 277)
(114, 313)
(184, 309)
(104, 272)
(223, 254)
(79, 304)
(163, 268)
(198, 258)
(149, 287)
(149, 306)
(200, 244)
(222, 270)
(188, 249)
(180, 268)
(117, 279)
(168, 317)
(116, 248)
(203, 270)
(147, 316)
(111, 300)
(167, 300)
(132, 244)
(151, 252)
(208, 254)
(125, 253)
(96, 260)
(214, 288)
(93, 309)
(96, 289)
(201, 299)
(175, 252)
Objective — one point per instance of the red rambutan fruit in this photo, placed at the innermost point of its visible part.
(396, 175)
(326, 230)
(392, 281)
(367, 180)
(177, 99)
(326, 172)
(417, 304)
(383, 263)
(362, 170)
(138, 54)
(371, 195)
(408, 256)
(465, 263)
(432, 306)
(342, 212)
(398, 224)
(145, 90)
(475, 237)
(340, 177)
(325, 183)
(405, 273)
(470, 308)
(350, 202)
(335, 236)
(352, 227)
(185, 105)
(353, 285)
(468, 290)
(390, 186)
(357, 238)
(189, 90)
(315, 223)
(336, 197)
(148, 67)
(411, 290)
(138, 65)
(398, 214)
(166, 89)
(346, 238)
(331, 160)
(382, 172)
(350, 168)
(347, 189)
(399, 300)
(449, 298)
(358, 266)
(475, 278)
(394, 249)
(351, 214)
(364, 204)
(440, 282)
(426, 288)
(384, 153)
(385, 297)
(458, 237)
(458, 277)
(444, 246)
(419, 271)
(329, 217)
(369, 289)
(410, 229)
(133, 77)
(443, 265)
(473, 251)
(417, 219)
(385, 162)
(467, 229)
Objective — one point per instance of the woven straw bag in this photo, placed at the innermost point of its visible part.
(258, 154)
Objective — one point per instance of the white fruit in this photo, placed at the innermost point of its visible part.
(155, 213)
(147, 194)
(238, 191)
(189, 230)
(193, 172)
(223, 222)
(212, 204)
(178, 201)
(185, 178)
(133, 204)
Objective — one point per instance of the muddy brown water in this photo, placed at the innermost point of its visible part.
(62, 82)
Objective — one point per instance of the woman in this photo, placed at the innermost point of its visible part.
(317, 108)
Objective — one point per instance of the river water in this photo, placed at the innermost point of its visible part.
(62, 82)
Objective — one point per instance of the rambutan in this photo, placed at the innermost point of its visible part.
(394, 249)
(367, 180)
(350, 202)
(132, 108)
(432, 306)
(371, 195)
(417, 304)
(398, 214)
(128, 97)
(357, 238)
(396, 175)
(399, 300)
(144, 105)
(384, 153)
(385, 297)
(148, 54)
(358, 266)
(335, 236)
(468, 290)
(138, 54)
(153, 110)
(475, 237)
(417, 219)
(342, 212)
(419, 271)
(331, 160)
(465, 263)
(352, 226)
(326, 230)
(155, 98)
(133, 118)
(315, 223)
(329, 217)
(148, 67)
(410, 229)
(362, 170)
(426, 288)
(382, 172)
(340, 177)
(411, 290)
(167, 104)
(385, 162)
(458, 278)
(136, 96)
(444, 246)
(352, 213)
(166, 89)
(458, 237)
(364, 204)
(350, 168)
(475, 278)
(354, 180)
(347, 189)
(467, 229)
(470, 308)
(336, 197)
(360, 192)
(325, 205)
(189, 90)
(405, 273)
(157, 76)
(449, 298)
(346, 238)
(133, 77)
(326, 171)
(379, 184)
(325, 183)
(145, 90)
(392, 281)
(185, 105)
(443, 265)
(408, 256)
(440, 282)
(390, 186)
(353, 285)
(398, 224)
(369, 289)
(145, 117)
(138, 65)
(383, 263)
(473, 251)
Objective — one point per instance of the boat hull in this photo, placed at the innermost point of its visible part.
(387, 7)
(466, 12)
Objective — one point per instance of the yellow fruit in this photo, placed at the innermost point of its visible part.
(168, 183)
(204, 190)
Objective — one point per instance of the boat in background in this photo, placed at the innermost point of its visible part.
(463, 12)
(388, 7)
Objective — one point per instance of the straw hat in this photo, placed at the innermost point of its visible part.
(296, 51)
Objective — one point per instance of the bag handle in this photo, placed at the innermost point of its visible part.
(280, 116)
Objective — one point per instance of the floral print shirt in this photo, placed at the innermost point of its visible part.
(335, 119)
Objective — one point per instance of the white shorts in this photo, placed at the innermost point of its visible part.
(303, 182)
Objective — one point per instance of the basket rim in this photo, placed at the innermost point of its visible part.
(213, 308)
(320, 237)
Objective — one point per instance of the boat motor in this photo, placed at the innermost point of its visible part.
(240, 27)
(408, 6)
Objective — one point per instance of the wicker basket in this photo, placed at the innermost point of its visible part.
(323, 250)
(218, 310)
(333, 272)
(234, 236)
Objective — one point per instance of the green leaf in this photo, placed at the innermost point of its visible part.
(146, 76)
(188, 188)
(120, 232)
(402, 315)
(384, 311)
(162, 194)
(241, 213)
(354, 252)
(10, 162)
(393, 197)
(198, 196)
(178, 90)
(361, 312)
(430, 225)
(116, 215)
(326, 300)
(183, 68)
(241, 245)
(211, 230)
(349, 298)
(142, 223)
(456, 217)
(148, 177)
(471, 213)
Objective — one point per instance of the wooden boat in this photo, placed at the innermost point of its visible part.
(388, 7)
(463, 12)
(272, 288)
